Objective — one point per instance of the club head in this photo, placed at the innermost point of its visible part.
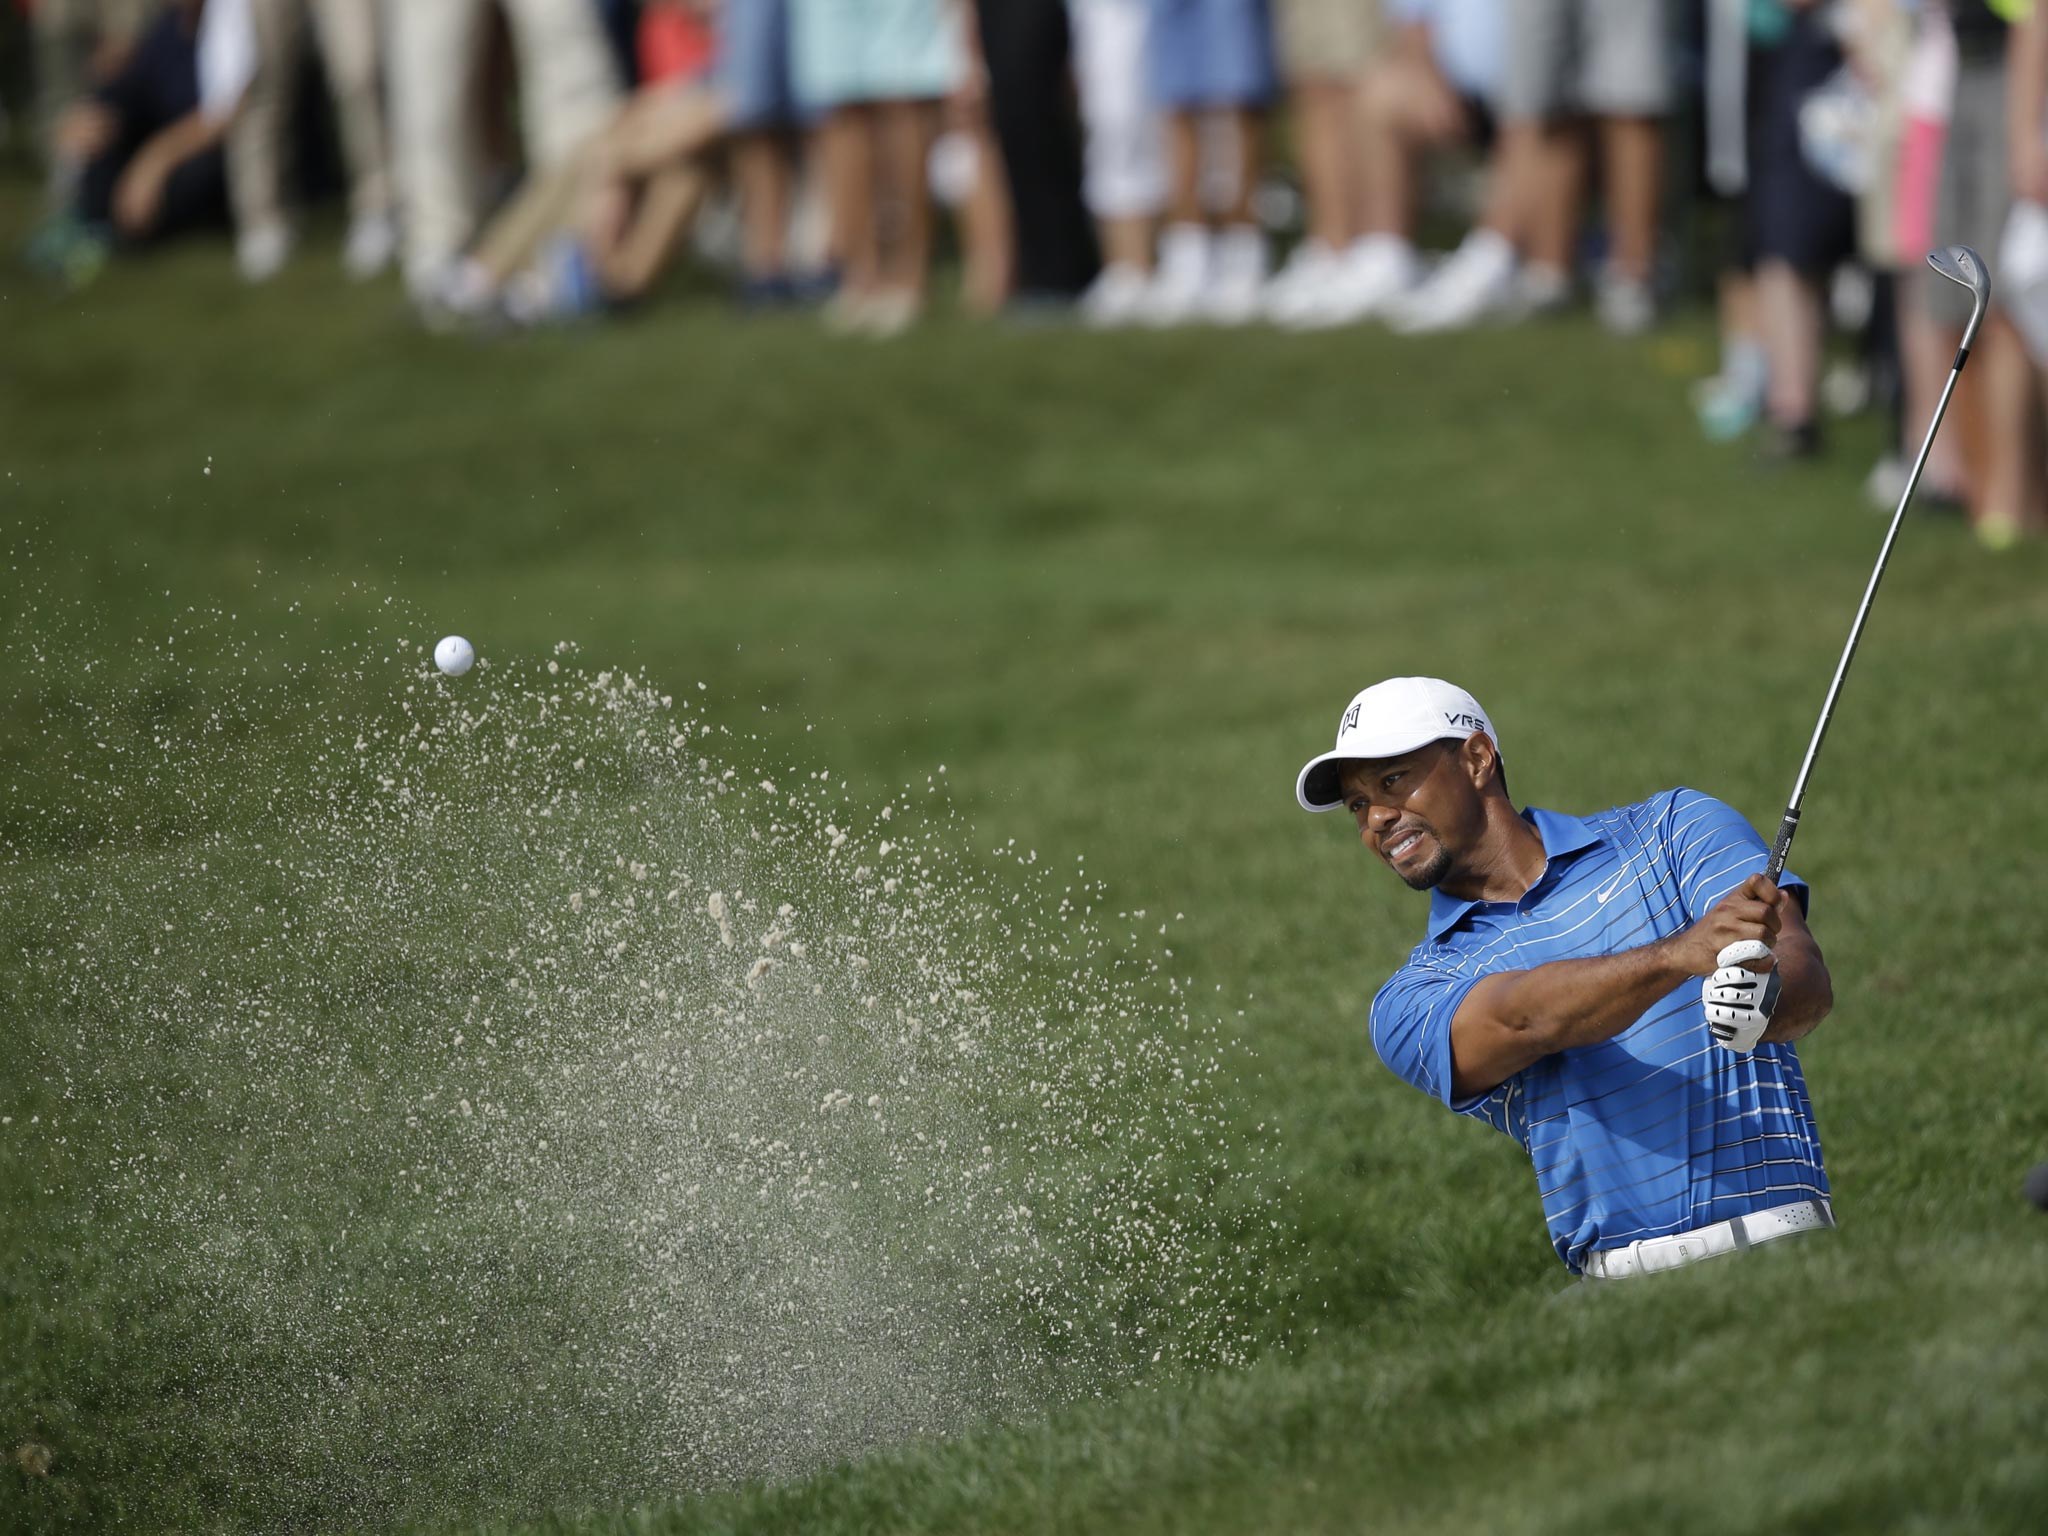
(1960, 264)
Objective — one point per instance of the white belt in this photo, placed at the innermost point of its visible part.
(1652, 1254)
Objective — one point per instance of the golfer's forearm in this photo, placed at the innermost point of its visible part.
(1807, 998)
(1581, 1002)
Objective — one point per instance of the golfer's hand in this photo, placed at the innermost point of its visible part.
(1739, 1004)
(1751, 911)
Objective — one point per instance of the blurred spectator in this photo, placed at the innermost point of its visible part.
(143, 151)
(879, 68)
(259, 144)
(1026, 48)
(1878, 36)
(1211, 61)
(967, 177)
(600, 227)
(1326, 47)
(770, 128)
(79, 46)
(1124, 168)
(1430, 91)
(1731, 401)
(1983, 162)
(1801, 226)
(1567, 61)
(1927, 93)
(568, 91)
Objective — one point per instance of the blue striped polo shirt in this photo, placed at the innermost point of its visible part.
(1657, 1130)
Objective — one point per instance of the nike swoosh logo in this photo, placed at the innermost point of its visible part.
(1613, 885)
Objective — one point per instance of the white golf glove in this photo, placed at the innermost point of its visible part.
(1740, 1002)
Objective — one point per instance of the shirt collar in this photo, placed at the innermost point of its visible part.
(1561, 834)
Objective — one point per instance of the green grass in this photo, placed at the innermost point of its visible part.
(1119, 588)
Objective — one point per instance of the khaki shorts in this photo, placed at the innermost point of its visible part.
(1601, 58)
(1327, 39)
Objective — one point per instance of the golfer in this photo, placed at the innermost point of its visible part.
(1558, 993)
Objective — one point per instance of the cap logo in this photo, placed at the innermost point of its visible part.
(1466, 722)
(1351, 717)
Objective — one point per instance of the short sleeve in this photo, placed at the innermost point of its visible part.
(1713, 849)
(1411, 1026)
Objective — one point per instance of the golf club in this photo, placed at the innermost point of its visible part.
(1959, 264)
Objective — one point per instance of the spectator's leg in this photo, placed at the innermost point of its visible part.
(259, 142)
(1793, 312)
(906, 129)
(1401, 119)
(547, 205)
(849, 155)
(1624, 81)
(1184, 167)
(1326, 117)
(349, 44)
(2010, 402)
(648, 184)
(434, 58)
(762, 180)
(1632, 157)
(1926, 350)
(1248, 131)
(667, 204)
(1556, 196)
(988, 226)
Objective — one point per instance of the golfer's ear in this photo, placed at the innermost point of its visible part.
(1477, 752)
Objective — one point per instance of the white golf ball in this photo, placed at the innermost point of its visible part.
(454, 655)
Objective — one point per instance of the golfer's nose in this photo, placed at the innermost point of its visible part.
(1378, 818)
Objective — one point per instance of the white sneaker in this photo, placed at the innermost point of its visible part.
(1539, 291)
(1116, 298)
(371, 246)
(1237, 276)
(260, 253)
(1475, 283)
(1372, 276)
(1294, 291)
(892, 312)
(1174, 296)
(1624, 304)
(454, 296)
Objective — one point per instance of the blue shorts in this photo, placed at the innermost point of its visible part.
(754, 66)
(1210, 53)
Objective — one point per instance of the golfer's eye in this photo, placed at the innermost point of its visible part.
(1390, 781)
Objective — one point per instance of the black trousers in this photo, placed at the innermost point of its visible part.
(1032, 101)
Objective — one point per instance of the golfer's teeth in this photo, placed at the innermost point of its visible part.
(1403, 846)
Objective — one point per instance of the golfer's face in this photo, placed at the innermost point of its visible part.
(1401, 805)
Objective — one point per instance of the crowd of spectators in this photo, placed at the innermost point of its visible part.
(522, 161)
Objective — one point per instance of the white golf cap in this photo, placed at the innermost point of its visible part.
(1387, 720)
